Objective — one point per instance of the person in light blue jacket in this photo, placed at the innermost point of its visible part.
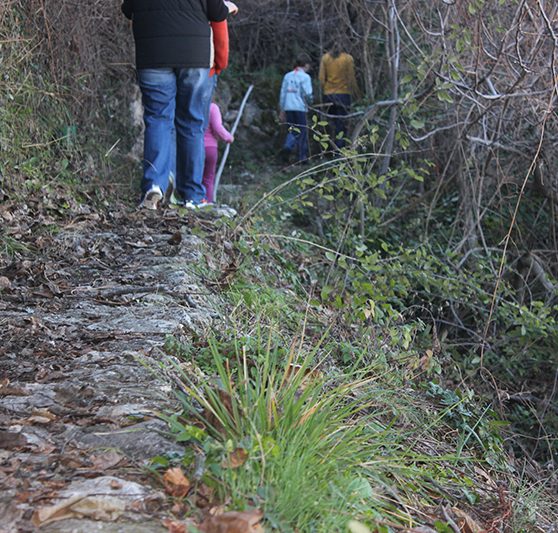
(296, 94)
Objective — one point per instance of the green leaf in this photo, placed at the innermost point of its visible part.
(159, 461)
(442, 527)
(444, 96)
(191, 433)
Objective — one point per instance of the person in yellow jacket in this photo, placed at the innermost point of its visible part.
(339, 86)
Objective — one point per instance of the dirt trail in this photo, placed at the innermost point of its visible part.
(81, 312)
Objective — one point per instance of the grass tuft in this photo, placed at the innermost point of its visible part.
(314, 450)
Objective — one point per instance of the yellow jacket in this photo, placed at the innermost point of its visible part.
(337, 75)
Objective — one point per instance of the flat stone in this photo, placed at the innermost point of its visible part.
(91, 526)
(124, 410)
(92, 358)
(141, 441)
(105, 498)
(38, 396)
(10, 512)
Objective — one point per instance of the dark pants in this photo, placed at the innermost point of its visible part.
(340, 105)
(297, 137)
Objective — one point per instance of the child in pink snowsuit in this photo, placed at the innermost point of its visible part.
(214, 132)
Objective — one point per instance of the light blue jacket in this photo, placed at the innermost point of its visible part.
(296, 91)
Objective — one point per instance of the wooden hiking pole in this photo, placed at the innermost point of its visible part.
(228, 147)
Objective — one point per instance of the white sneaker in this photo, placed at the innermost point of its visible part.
(152, 197)
(190, 205)
(197, 205)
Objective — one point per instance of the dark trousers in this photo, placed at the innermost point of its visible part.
(340, 106)
(297, 137)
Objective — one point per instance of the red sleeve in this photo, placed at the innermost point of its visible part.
(221, 45)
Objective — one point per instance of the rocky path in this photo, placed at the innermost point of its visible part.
(83, 307)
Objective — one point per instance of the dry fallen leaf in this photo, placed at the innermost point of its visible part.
(115, 484)
(10, 440)
(480, 472)
(178, 509)
(35, 419)
(97, 499)
(227, 403)
(175, 239)
(106, 461)
(23, 497)
(6, 215)
(309, 374)
(426, 360)
(8, 390)
(357, 527)
(234, 522)
(466, 523)
(5, 283)
(236, 459)
(45, 413)
(41, 416)
(309, 412)
(204, 496)
(174, 527)
(176, 483)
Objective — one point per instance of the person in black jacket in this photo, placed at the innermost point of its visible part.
(173, 58)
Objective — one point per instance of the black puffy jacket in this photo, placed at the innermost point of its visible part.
(173, 33)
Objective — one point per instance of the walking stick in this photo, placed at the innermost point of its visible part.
(228, 147)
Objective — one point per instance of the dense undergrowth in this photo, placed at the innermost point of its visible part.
(392, 273)
(320, 418)
(378, 252)
(54, 139)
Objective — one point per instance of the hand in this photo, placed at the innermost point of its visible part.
(282, 116)
(233, 8)
(232, 140)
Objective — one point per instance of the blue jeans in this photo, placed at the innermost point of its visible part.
(175, 99)
(172, 176)
(297, 139)
(340, 105)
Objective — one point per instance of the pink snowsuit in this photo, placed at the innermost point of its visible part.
(214, 132)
